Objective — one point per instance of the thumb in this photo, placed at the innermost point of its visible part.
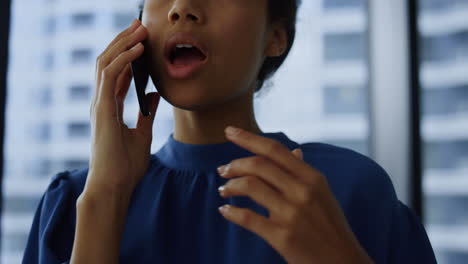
(145, 123)
(298, 153)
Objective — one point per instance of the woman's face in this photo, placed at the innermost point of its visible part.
(236, 37)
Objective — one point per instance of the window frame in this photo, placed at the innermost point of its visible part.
(402, 17)
(394, 99)
(5, 12)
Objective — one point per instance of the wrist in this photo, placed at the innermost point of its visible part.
(96, 189)
(99, 227)
(105, 201)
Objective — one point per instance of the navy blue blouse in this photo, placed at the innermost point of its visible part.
(173, 215)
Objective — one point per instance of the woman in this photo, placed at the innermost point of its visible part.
(290, 202)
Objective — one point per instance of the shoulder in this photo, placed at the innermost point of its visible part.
(349, 171)
(72, 181)
(56, 210)
(51, 235)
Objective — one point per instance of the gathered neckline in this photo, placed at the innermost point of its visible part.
(207, 157)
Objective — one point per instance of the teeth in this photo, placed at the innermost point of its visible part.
(184, 46)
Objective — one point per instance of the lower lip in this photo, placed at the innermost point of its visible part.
(183, 72)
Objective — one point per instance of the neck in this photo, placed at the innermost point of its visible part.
(207, 126)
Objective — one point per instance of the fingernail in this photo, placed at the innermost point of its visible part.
(232, 131)
(137, 46)
(221, 189)
(222, 170)
(224, 209)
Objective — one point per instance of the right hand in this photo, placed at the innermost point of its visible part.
(120, 156)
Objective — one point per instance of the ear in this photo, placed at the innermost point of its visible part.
(278, 40)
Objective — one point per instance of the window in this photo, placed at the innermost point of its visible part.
(123, 20)
(438, 48)
(80, 92)
(335, 4)
(49, 60)
(81, 20)
(444, 108)
(345, 46)
(72, 164)
(440, 101)
(78, 130)
(42, 97)
(42, 167)
(345, 100)
(43, 132)
(20, 204)
(50, 25)
(79, 56)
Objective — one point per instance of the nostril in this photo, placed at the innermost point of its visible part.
(175, 16)
(192, 17)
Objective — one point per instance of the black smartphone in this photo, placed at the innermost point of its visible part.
(140, 76)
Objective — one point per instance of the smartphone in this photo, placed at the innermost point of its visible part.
(140, 76)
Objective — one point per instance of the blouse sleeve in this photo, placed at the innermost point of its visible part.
(409, 242)
(51, 235)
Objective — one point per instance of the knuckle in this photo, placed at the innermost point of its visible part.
(245, 217)
(305, 195)
(99, 60)
(100, 64)
(123, 33)
(291, 216)
(254, 162)
(316, 183)
(127, 41)
(107, 72)
(248, 183)
(274, 147)
(259, 161)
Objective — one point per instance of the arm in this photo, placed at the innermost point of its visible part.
(100, 222)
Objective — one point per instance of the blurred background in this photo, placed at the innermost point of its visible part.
(388, 79)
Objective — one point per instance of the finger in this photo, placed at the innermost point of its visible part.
(126, 32)
(110, 74)
(251, 221)
(124, 44)
(145, 123)
(266, 170)
(256, 189)
(274, 150)
(115, 51)
(123, 84)
(298, 153)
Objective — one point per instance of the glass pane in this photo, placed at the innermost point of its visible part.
(324, 81)
(51, 82)
(323, 85)
(444, 93)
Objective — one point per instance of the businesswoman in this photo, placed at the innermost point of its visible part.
(284, 202)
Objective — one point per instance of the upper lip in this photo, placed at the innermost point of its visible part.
(182, 38)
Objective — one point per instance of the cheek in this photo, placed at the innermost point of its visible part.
(240, 52)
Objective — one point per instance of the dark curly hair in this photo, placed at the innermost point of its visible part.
(284, 11)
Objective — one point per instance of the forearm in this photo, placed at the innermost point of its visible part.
(99, 227)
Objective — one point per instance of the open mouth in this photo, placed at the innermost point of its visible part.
(186, 55)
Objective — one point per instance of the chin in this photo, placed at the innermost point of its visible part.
(186, 95)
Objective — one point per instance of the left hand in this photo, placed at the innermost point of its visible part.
(305, 223)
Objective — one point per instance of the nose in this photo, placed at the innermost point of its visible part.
(184, 10)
